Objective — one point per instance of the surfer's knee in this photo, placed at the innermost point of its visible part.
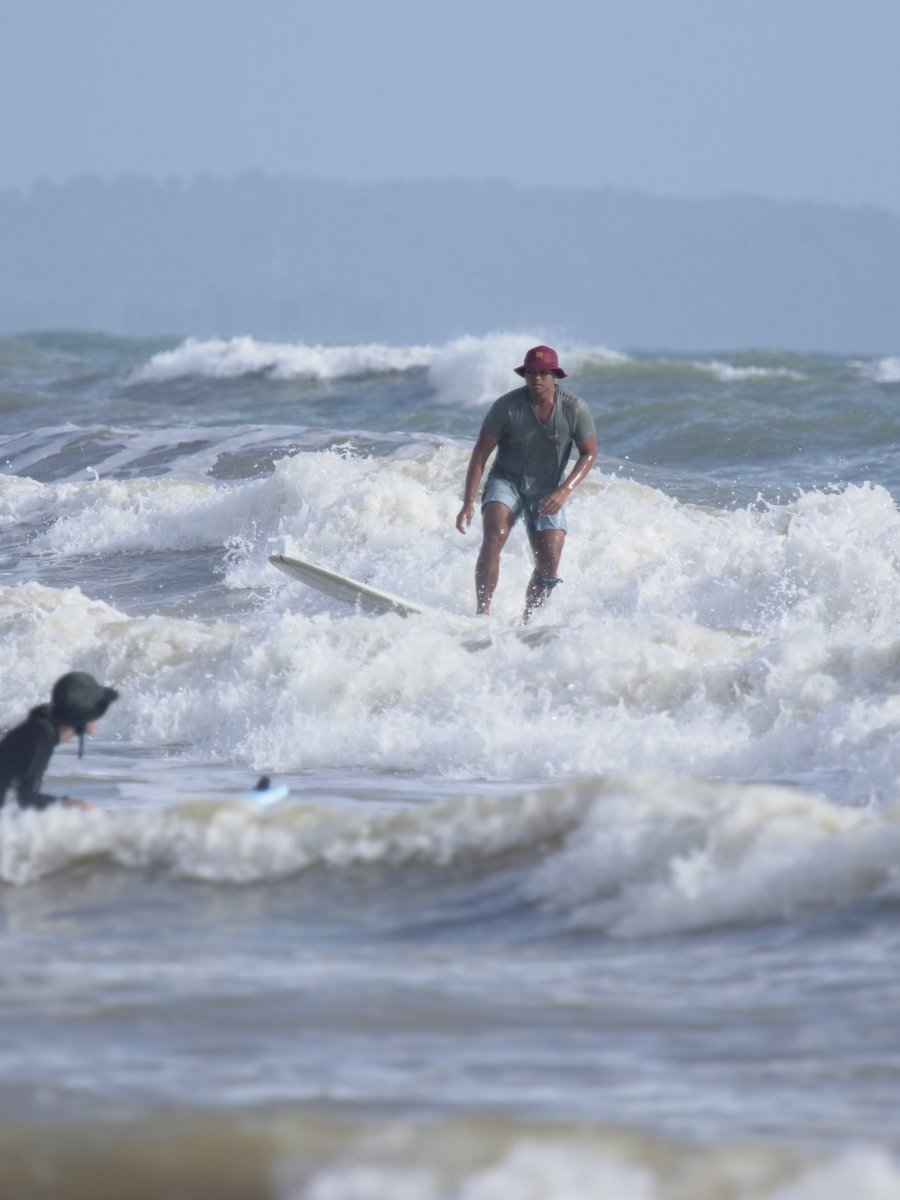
(493, 541)
(496, 522)
(547, 547)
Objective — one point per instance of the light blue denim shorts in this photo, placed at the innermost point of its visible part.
(504, 492)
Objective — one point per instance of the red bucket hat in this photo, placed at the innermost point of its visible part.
(541, 358)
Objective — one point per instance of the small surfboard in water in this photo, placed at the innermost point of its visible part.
(342, 587)
(265, 794)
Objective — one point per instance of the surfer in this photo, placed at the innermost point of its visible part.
(77, 703)
(533, 429)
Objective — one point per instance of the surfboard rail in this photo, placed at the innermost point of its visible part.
(342, 587)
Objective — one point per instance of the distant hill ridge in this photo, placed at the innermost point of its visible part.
(308, 260)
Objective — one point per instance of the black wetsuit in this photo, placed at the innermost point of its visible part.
(24, 754)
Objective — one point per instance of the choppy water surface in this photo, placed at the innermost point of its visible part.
(608, 911)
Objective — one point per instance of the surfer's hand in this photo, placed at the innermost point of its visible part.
(554, 501)
(464, 517)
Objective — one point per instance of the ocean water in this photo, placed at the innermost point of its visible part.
(609, 911)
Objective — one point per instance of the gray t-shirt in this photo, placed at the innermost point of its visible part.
(530, 455)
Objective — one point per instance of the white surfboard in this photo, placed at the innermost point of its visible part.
(263, 795)
(342, 587)
(477, 635)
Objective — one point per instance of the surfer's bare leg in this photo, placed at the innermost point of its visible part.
(497, 525)
(547, 546)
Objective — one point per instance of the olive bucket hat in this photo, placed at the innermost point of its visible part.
(77, 698)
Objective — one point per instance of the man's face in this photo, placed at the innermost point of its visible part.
(541, 386)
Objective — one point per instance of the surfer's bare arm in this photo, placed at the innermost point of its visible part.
(587, 453)
(482, 451)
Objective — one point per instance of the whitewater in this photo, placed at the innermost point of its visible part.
(607, 911)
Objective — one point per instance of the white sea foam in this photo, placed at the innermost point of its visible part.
(579, 1166)
(532, 1169)
(659, 856)
(237, 842)
(473, 371)
(693, 641)
(883, 370)
(629, 858)
(467, 371)
(727, 373)
(23, 501)
(216, 358)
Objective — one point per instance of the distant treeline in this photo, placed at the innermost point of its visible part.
(297, 259)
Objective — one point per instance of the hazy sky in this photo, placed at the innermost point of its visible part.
(792, 99)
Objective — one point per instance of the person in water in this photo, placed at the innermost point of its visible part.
(533, 429)
(77, 703)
